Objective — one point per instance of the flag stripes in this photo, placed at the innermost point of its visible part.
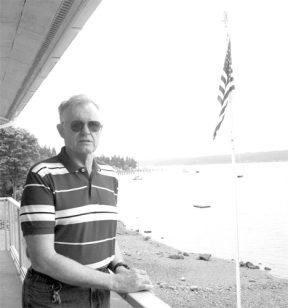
(225, 88)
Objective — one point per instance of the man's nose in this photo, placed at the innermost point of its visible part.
(85, 129)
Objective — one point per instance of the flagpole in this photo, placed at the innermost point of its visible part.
(234, 175)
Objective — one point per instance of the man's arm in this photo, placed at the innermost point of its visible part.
(46, 260)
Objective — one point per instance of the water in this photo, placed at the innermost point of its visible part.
(162, 202)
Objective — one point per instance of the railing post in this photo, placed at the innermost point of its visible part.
(5, 224)
(19, 239)
(10, 224)
(14, 229)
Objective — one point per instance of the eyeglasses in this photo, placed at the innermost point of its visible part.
(93, 126)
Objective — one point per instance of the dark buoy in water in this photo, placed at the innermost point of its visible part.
(202, 206)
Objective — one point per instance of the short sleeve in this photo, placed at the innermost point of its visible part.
(37, 212)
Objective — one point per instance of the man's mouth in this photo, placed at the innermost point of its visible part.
(85, 141)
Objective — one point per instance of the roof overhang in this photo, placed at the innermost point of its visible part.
(33, 36)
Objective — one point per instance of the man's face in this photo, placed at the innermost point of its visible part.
(85, 141)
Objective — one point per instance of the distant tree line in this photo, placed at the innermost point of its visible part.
(19, 150)
(118, 162)
(250, 157)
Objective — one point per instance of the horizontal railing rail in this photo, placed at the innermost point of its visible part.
(15, 244)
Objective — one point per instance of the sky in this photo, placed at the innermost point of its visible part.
(154, 68)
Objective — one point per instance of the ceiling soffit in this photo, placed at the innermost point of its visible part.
(34, 36)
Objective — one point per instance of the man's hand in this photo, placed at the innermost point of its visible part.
(132, 280)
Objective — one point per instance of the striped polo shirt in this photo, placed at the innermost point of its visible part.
(60, 198)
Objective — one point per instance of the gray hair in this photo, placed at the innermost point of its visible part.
(75, 100)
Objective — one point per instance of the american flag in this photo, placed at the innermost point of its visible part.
(225, 88)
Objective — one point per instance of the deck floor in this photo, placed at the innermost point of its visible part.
(10, 282)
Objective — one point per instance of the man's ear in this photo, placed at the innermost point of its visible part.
(60, 130)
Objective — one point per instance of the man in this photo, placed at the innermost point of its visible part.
(69, 218)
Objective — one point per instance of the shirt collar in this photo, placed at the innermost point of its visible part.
(69, 164)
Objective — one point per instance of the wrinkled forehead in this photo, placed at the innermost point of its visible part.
(85, 111)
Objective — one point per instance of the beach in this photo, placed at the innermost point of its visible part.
(182, 280)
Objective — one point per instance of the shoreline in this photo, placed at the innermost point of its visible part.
(258, 263)
(182, 280)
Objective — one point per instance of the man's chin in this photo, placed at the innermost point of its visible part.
(87, 149)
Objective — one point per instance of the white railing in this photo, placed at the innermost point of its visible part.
(14, 241)
(15, 244)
